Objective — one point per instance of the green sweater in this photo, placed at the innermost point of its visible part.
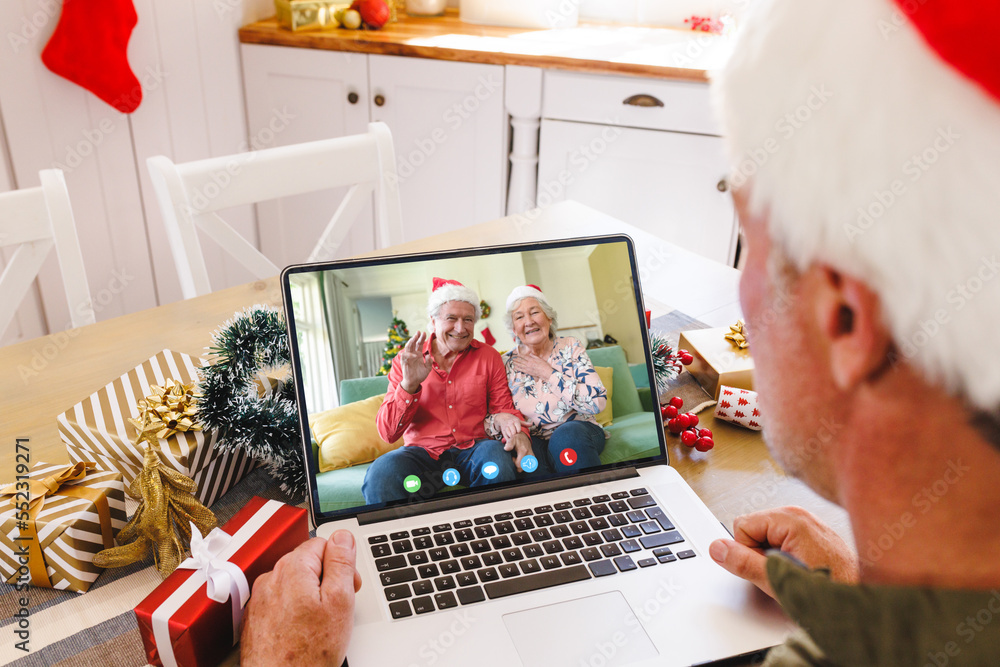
(895, 626)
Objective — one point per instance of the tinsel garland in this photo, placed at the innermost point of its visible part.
(266, 427)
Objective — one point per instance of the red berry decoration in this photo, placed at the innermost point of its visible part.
(704, 433)
(668, 411)
(685, 357)
(704, 444)
(694, 418)
(684, 420)
(674, 426)
(689, 438)
(677, 402)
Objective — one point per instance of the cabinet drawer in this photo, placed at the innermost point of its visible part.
(593, 98)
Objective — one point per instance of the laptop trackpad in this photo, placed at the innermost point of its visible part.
(596, 630)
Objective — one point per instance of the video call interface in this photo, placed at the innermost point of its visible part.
(350, 322)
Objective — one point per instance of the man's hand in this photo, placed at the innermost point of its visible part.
(521, 444)
(533, 365)
(508, 424)
(792, 530)
(414, 365)
(302, 612)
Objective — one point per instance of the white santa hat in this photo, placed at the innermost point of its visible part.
(443, 291)
(523, 292)
(869, 132)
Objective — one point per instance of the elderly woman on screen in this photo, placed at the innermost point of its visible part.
(553, 384)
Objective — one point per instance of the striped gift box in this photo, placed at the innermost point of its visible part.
(68, 527)
(97, 429)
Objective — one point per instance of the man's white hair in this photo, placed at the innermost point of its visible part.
(868, 152)
(451, 292)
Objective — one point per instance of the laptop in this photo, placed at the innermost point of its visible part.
(606, 566)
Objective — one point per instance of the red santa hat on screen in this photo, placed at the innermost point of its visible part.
(868, 133)
(443, 291)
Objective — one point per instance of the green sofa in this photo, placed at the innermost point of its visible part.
(632, 431)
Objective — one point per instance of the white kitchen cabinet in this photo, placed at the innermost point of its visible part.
(659, 167)
(448, 126)
(298, 95)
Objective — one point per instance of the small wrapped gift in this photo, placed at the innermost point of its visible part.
(193, 618)
(308, 14)
(738, 406)
(54, 518)
(717, 360)
(98, 429)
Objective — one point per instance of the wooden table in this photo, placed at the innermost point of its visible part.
(41, 378)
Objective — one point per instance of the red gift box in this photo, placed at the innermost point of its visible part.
(201, 630)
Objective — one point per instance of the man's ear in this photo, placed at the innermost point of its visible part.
(850, 318)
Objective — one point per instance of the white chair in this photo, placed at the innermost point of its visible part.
(36, 220)
(190, 193)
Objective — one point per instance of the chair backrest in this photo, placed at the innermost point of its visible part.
(36, 220)
(189, 195)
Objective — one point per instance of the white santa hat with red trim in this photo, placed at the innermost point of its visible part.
(443, 291)
(868, 132)
(523, 292)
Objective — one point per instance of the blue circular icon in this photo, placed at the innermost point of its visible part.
(529, 463)
(490, 470)
(451, 477)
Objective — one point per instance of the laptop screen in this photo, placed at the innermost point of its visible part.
(416, 382)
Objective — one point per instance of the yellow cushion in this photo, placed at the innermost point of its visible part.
(347, 435)
(605, 373)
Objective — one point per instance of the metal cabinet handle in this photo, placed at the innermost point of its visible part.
(379, 100)
(722, 185)
(352, 97)
(642, 100)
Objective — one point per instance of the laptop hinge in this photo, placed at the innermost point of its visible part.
(441, 504)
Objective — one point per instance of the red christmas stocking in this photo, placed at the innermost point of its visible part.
(89, 47)
(488, 336)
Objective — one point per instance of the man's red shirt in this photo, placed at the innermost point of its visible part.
(449, 407)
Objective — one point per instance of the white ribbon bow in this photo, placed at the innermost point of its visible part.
(225, 580)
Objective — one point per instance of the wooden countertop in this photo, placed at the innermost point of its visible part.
(590, 47)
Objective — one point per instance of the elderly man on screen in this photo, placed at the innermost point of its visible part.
(441, 387)
(865, 141)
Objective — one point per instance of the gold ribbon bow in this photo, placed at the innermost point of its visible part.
(53, 485)
(169, 409)
(738, 335)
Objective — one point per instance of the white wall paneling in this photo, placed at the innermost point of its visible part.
(186, 55)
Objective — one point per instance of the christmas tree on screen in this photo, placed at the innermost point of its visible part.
(398, 335)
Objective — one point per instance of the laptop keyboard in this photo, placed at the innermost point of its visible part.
(450, 564)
